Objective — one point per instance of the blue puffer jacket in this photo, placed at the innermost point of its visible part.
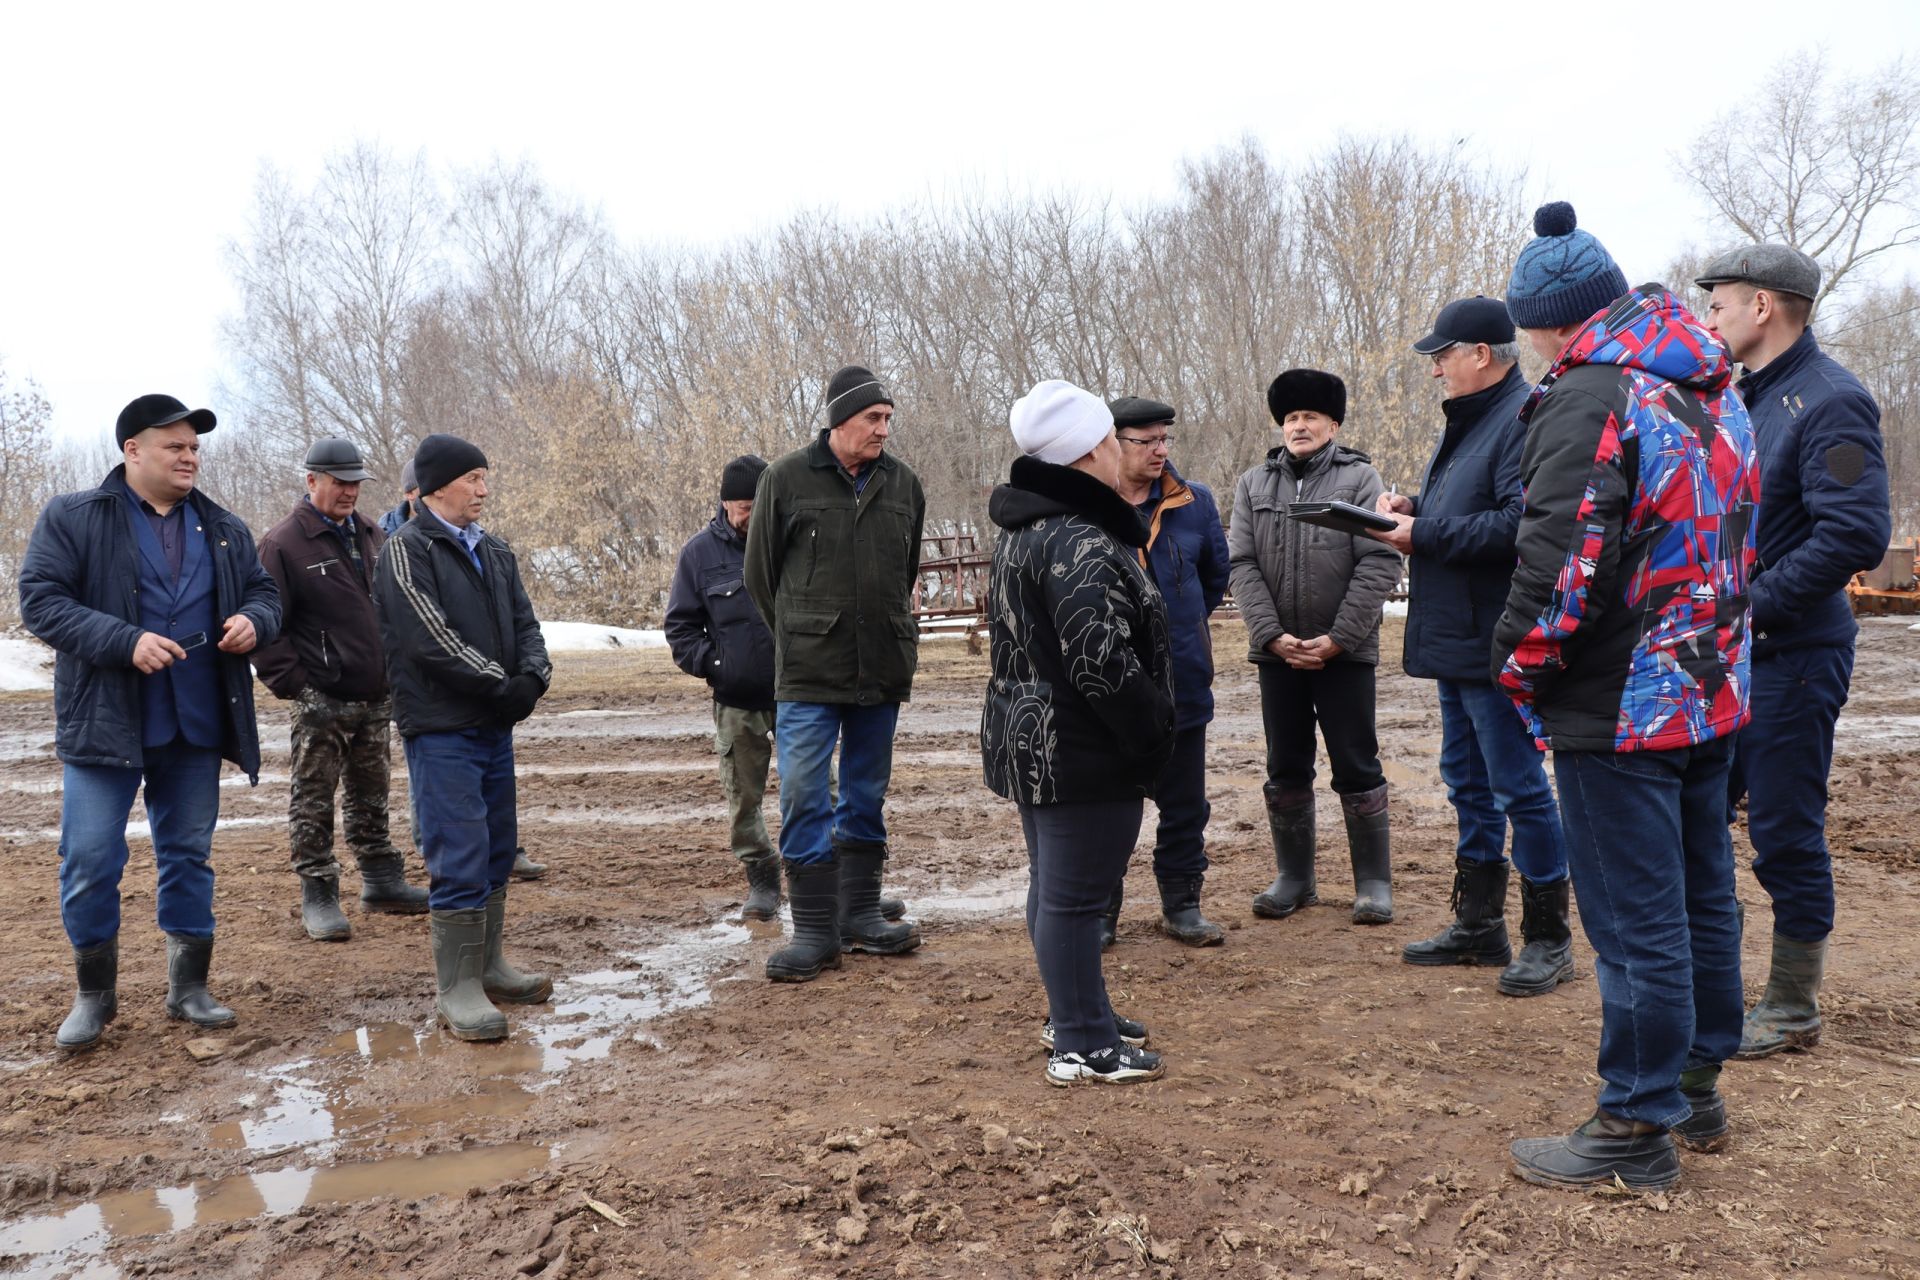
(1465, 517)
(77, 587)
(1187, 555)
(1824, 514)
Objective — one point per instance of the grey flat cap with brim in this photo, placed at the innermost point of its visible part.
(1765, 266)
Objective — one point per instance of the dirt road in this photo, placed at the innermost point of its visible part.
(1327, 1110)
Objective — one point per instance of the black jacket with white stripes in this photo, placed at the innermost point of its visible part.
(454, 635)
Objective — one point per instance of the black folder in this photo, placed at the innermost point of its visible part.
(1343, 516)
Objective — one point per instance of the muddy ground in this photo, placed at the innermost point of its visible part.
(1326, 1110)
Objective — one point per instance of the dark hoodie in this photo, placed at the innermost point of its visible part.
(1080, 703)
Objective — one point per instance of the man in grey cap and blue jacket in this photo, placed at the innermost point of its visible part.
(1824, 516)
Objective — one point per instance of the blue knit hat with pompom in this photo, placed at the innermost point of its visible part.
(1564, 276)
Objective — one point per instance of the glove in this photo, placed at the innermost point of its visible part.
(522, 692)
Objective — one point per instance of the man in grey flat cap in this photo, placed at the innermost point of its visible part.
(1824, 516)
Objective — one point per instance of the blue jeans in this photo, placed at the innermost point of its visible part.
(464, 797)
(1180, 843)
(183, 803)
(1653, 872)
(812, 823)
(1780, 763)
(1496, 776)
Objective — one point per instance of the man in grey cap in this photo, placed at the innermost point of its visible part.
(330, 664)
(409, 501)
(1824, 516)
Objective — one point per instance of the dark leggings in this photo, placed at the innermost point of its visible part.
(1338, 697)
(1076, 854)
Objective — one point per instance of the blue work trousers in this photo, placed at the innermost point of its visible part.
(812, 823)
(1180, 842)
(1497, 777)
(183, 804)
(468, 810)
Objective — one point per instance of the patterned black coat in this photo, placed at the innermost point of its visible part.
(1080, 703)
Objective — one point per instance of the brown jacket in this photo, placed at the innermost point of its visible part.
(329, 633)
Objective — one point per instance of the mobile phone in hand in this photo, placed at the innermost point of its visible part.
(192, 641)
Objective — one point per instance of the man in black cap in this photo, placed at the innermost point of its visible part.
(1824, 516)
(151, 596)
(329, 663)
(467, 663)
(1186, 553)
(1458, 534)
(832, 555)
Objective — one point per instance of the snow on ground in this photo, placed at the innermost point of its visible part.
(578, 637)
(25, 663)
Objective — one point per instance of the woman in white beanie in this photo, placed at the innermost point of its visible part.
(1079, 709)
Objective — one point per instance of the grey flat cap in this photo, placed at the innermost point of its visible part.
(339, 458)
(1765, 266)
(1134, 411)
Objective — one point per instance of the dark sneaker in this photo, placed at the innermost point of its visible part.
(1131, 1032)
(1121, 1064)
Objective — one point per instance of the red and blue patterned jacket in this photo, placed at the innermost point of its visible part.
(1626, 627)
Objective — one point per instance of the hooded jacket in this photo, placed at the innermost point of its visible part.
(712, 627)
(329, 632)
(1186, 552)
(1300, 579)
(1626, 627)
(1079, 705)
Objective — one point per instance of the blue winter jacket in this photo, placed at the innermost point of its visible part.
(1824, 513)
(77, 593)
(1187, 554)
(713, 629)
(1465, 518)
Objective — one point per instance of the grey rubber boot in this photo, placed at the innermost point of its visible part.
(813, 891)
(525, 868)
(501, 980)
(1546, 960)
(763, 888)
(1110, 922)
(1788, 1015)
(1180, 913)
(862, 927)
(1370, 846)
(188, 960)
(98, 1000)
(384, 889)
(1478, 934)
(459, 961)
(1290, 820)
(320, 913)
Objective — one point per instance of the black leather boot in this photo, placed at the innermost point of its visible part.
(1290, 820)
(188, 960)
(763, 888)
(1478, 934)
(1546, 960)
(1180, 913)
(1110, 922)
(384, 889)
(320, 913)
(460, 964)
(1641, 1155)
(1706, 1128)
(98, 970)
(1370, 846)
(862, 927)
(813, 891)
(501, 980)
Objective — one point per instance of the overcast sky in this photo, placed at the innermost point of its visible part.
(133, 134)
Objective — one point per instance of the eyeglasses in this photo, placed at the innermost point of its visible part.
(1162, 442)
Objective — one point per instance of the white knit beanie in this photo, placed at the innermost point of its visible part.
(1057, 422)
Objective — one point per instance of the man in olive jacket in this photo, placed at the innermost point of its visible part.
(832, 553)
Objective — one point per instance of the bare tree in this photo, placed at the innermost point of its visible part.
(26, 429)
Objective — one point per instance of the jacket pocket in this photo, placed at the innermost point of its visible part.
(808, 652)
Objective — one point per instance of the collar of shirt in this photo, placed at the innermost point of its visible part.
(468, 537)
(340, 526)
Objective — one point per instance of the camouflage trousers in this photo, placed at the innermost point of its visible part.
(743, 741)
(339, 746)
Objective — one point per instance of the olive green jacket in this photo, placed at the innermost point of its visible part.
(832, 573)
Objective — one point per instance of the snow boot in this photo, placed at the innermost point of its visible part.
(459, 963)
(1180, 913)
(1478, 934)
(501, 980)
(1370, 846)
(98, 1000)
(1546, 960)
(1705, 1129)
(188, 960)
(1606, 1147)
(320, 913)
(1788, 1015)
(862, 927)
(763, 888)
(813, 891)
(1290, 820)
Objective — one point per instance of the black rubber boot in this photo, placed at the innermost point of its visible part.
(1180, 913)
(1110, 921)
(1706, 1128)
(1370, 846)
(525, 868)
(501, 980)
(459, 964)
(892, 908)
(1788, 1015)
(763, 888)
(98, 1000)
(320, 913)
(1606, 1147)
(384, 889)
(188, 960)
(862, 927)
(813, 891)
(1546, 960)
(1478, 934)
(1290, 820)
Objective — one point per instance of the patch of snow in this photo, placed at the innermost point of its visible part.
(25, 663)
(580, 637)
(1394, 609)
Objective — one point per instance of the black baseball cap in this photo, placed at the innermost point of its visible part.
(158, 411)
(1475, 319)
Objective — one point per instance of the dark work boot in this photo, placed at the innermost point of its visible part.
(892, 908)
(1370, 845)
(862, 927)
(1180, 913)
(1546, 960)
(1641, 1155)
(320, 913)
(98, 1000)
(1478, 934)
(1110, 921)
(459, 963)
(763, 888)
(1290, 820)
(813, 891)
(501, 980)
(188, 960)
(1706, 1128)
(384, 889)
(1788, 1015)
(525, 868)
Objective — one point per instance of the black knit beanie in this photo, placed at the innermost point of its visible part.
(739, 478)
(851, 390)
(440, 460)
(1307, 389)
